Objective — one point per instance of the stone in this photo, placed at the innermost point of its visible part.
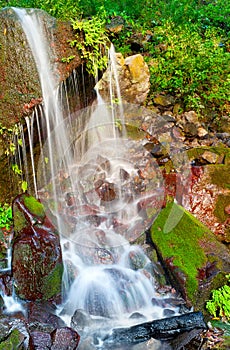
(14, 340)
(39, 340)
(210, 157)
(191, 117)
(64, 338)
(133, 76)
(164, 100)
(202, 132)
(36, 252)
(195, 261)
(165, 328)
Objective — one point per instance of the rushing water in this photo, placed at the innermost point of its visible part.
(90, 176)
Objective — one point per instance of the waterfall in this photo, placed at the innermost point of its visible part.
(90, 175)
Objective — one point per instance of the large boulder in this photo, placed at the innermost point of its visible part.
(133, 75)
(36, 252)
(20, 88)
(196, 262)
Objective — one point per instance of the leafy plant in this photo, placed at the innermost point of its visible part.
(6, 219)
(92, 41)
(219, 304)
(192, 66)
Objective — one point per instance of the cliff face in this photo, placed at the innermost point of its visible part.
(20, 88)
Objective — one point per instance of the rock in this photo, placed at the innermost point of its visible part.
(20, 90)
(80, 320)
(210, 157)
(194, 260)
(42, 316)
(39, 340)
(164, 100)
(190, 129)
(14, 340)
(191, 117)
(133, 75)
(165, 328)
(64, 339)
(202, 132)
(36, 252)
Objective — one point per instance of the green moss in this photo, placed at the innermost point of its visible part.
(220, 175)
(34, 206)
(195, 153)
(52, 283)
(221, 203)
(134, 132)
(176, 233)
(13, 341)
(19, 220)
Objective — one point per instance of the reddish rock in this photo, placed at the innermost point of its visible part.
(36, 253)
(64, 339)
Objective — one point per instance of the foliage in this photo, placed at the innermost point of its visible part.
(91, 40)
(6, 219)
(60, 9)
(193, 67)
(188, 50)
(219, 304)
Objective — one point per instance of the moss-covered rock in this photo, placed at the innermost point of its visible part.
(195, 261)
(36, 252)
(13, 341)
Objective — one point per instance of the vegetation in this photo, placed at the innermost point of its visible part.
(6, 220)
(219, 304)
(186, 43)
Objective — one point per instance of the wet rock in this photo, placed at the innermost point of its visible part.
(14, 340)
(133, 75)
(39, 340)
(105, 190)
(137, 316)
(42, 316)
(165, 328)
(64, 339)
(195, 261)
(36, 252)
(80, 320)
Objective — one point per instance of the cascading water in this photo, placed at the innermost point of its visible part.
(100, 185)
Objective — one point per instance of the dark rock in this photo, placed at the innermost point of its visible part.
(39, 341)
(165, 328)
(36, 253)
(64, 339)
(188, 340)
(137, 316)
(168, 312)
(80, 320)
(42, 317)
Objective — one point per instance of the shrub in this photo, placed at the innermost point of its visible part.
(190, 65)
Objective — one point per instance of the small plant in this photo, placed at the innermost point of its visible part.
(6, 219)
(219, 304)
(91, 40)
(68, 59)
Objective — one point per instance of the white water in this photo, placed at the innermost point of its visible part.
(100, 276)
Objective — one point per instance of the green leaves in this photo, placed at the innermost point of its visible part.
(92, 41)
(6, 219)
(219, 304)
(190, 64)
